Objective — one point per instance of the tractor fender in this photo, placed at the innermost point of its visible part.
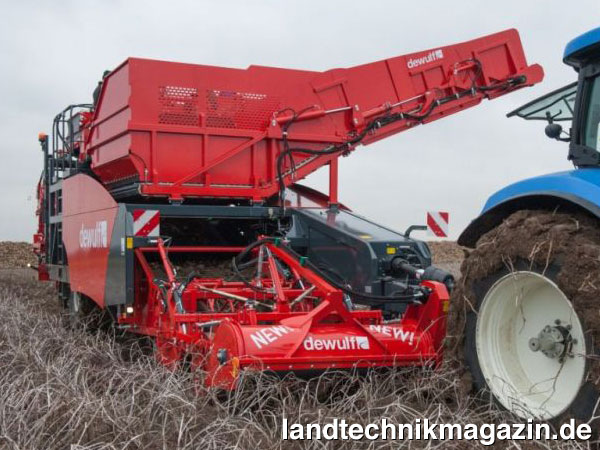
(571, 190)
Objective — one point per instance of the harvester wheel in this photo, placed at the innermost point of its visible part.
(83, 313)
(76, 311)
(526, 315)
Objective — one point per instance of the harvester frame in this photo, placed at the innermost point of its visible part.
(179, 159)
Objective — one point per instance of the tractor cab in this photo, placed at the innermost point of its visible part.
(578, 103)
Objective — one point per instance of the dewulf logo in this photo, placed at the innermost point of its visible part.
(94, 237)
(432, 56)
(346, 343)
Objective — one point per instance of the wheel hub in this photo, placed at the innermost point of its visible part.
(533, 363)
(555, 342)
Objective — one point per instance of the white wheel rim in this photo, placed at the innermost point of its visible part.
(527, 382)
(76, 300)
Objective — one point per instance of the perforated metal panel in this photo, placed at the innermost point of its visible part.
(178, 105)
(243, 110)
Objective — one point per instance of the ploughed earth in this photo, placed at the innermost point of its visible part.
(13, 255)
(447, 255)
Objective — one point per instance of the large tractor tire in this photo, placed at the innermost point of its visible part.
(525, 317)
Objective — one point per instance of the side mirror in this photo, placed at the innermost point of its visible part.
(553, 130)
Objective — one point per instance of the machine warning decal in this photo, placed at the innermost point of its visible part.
(146, 223)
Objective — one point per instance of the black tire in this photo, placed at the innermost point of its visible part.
(83, 313)
(562, 247)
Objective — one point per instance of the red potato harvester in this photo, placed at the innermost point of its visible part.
(180, 165)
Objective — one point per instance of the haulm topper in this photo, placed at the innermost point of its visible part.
(171, 203)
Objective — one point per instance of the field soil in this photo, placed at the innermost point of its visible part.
(73, 389)
(447, 255)
(16, 255)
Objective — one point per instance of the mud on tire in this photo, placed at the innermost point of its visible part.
(565, 248)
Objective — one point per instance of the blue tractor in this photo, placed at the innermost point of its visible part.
(528, 303)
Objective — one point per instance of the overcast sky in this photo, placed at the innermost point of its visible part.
(52, 54)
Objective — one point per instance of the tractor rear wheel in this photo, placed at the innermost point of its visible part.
(526, 316)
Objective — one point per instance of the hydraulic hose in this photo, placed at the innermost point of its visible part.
(368, 299)
(379, 122)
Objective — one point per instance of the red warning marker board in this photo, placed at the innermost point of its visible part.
(437, 223)
(146, 223)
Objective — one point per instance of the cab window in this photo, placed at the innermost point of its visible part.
(557, 106)
(592, 120)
